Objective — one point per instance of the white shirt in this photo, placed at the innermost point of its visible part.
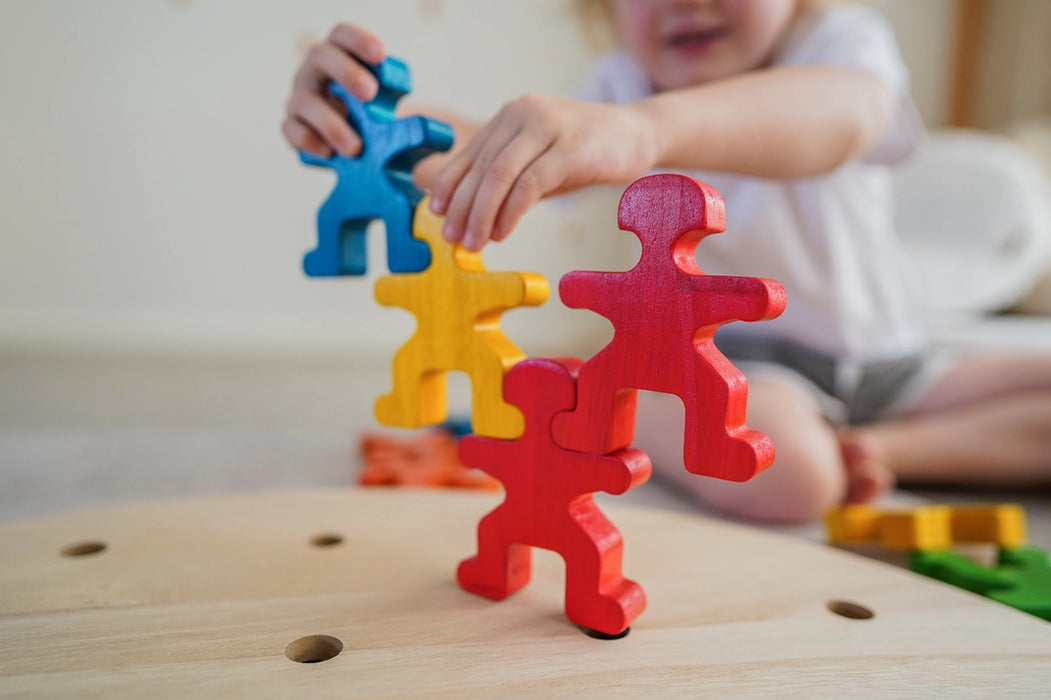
(830, 239)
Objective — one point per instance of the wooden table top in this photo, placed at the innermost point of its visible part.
(229, 596)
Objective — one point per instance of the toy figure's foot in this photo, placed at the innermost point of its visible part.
(495, 579)
(733, 458)
(396, 410)
(350, 257)
(317, 264)
(407, 256)
(609, 612)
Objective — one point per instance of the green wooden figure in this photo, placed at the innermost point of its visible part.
(1021, 579)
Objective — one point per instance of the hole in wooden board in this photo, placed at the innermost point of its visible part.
(84, 549)
(313, 649)
(595, 634)
(845, 608)
(328, 539)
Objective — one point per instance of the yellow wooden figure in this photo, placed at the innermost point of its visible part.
(1000, 524)
(924, 529)
(928, 528)
(853, 524)
(457, 305)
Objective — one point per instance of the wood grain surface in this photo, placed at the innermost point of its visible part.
(217, 597)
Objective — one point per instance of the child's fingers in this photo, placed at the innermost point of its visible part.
(542, 177)
(450, 175)
(315, 112)
(359, 42)
(465, 198)
(328, 62)
(509, 171)
(447, 193)
(303, 138)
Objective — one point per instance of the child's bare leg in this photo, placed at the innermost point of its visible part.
(807, 477)
(988, 421)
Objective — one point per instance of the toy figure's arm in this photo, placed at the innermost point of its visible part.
(463, 128)
(395, 290)
(615, 473)
(487, 455)
(600, 292)
(508, 290)
(308, 158)
(726, 299)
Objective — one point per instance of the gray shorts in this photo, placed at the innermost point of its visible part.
(848, 393)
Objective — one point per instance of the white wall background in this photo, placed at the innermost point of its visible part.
(148, 202)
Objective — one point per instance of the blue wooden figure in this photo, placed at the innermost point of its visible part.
(377, 184)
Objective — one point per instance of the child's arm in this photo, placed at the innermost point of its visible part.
(779, 123)
(315, 123)
(774, 123)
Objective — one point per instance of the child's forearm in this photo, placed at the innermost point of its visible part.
(782, 122)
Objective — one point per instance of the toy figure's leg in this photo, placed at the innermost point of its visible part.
(501, 567)
(717, 443)
(404, 253)
(353, 251)
(604, 417)
(491, 416)
(598, 597)
(418, 396)
(341, 248)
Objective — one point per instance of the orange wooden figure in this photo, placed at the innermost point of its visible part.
(429, 459)
(457, 304)
(549, 504)
(665, 312)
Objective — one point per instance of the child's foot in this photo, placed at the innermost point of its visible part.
(868, 477)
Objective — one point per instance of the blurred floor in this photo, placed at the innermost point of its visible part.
(78, 432)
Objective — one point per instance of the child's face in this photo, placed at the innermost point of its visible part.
(686, 42)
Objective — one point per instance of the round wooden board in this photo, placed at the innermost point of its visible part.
(203, 598)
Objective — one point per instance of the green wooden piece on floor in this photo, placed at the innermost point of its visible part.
(1021, 579)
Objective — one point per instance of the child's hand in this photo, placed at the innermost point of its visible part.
(538, 146)
(314, 122)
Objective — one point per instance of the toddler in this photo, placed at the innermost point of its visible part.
(794, 111)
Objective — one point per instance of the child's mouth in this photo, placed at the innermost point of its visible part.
(690, 41)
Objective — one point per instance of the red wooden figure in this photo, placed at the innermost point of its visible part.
(549, 504)
(665, 312)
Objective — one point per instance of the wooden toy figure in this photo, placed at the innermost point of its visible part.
(665, 312)
(430, 459)
(1020, 577)
(457, 305)
(549, 504)
(377, 184)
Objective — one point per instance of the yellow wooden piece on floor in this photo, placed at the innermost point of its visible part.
(1002, 525)
(924, 529)
(855, 524)
(457, 305)
(928, 528)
